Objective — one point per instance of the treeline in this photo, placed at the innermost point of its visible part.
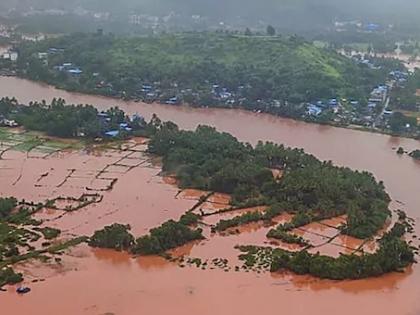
(208, 160)
(67, 121)
(393, 254)
(281, 232)
(283, 235)
(170, 234)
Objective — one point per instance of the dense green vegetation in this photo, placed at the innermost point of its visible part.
(405, 97)
(67, 121)
(400, 123)
(8, 276)
(189, 219)
(170, 234)
(208, 160)
(394, 254)
(6, 207)
(187, 66)
(116, 236)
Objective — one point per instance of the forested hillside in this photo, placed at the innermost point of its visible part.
(194, 66)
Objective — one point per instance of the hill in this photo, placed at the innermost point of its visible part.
(194, 67)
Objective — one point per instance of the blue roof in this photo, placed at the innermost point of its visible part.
(314, 110)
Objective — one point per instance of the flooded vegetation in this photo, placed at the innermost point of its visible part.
(141, 197)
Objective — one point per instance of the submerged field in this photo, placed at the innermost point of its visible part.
(80, 189)
(129, 189)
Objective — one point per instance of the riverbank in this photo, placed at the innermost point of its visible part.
(190, 107)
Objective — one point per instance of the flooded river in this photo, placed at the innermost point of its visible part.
(105, 282)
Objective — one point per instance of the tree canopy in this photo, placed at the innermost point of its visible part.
(208, 160)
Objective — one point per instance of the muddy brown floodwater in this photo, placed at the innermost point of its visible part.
(105, 282)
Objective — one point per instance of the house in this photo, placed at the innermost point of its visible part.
(314, 110)
(333, 102)
(9, 123)
(146, 88)
(103, 117)
(14, 56)
(11, 55)
(125, 127)
(379, 94)
(42, 55)
(53, 50)
(75, 71)
(172, 101)
(112, 133)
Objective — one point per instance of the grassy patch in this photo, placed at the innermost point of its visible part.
(27, 141)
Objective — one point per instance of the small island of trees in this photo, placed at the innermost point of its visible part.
(208, 160)
(394, 254)
(169, 235)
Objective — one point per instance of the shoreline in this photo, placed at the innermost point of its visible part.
(188, 106)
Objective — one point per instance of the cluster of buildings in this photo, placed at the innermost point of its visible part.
(317, 108)
(10, 55)
(352, 111)
(362, 59)
(399, 77)
(359, 26)
(67, 67)
(4, 122)
(115, 129)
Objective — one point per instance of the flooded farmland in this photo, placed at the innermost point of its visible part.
(91, 281)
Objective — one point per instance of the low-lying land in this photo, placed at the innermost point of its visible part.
(309, 189)
(231, 176)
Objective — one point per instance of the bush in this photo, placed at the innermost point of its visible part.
(8, 276)
(170, 234)
(49, 233)
(189, 218)
(115, 236)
